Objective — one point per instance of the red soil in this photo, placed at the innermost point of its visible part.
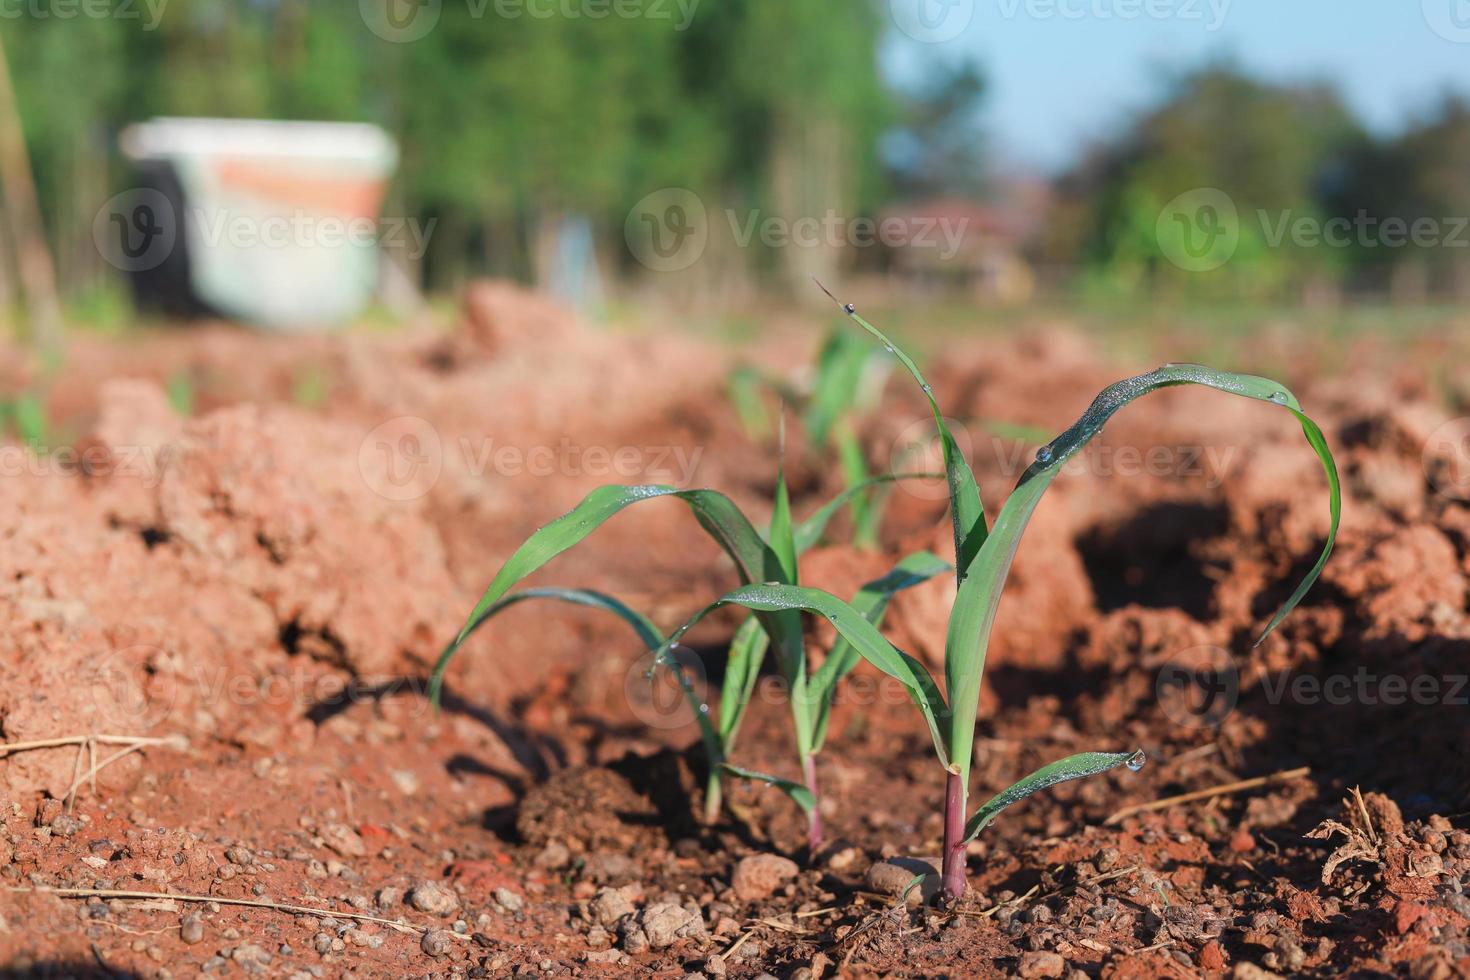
(271, 578)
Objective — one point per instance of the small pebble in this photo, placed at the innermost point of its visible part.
(433, 898)
(436, 943)
(191, 929)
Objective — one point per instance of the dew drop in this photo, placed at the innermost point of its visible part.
(1044, 455)
(927, 390)
(849, 309)
(888, 348)
(1136, 760)
(1279, 397)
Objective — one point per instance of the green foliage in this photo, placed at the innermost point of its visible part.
(1264, 145)
(984, 562)
(26, 414)
(846, 383)
(505, 123)
(1078, 766)
(181, 393)
(772, 557)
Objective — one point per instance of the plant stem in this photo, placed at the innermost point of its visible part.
(712, 794)
(814, 819)
(954, 833)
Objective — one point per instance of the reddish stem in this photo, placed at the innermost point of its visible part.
(954, 842)
(814, 819)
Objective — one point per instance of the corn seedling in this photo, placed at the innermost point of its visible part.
(26, 415)
(181, 394)
(846, 382)
(771, 557)
(984, 555)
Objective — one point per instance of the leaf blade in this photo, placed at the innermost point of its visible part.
(865, 638)
(872, 601)
(799, 794)
(1078, 766)
(967, 513)
(980, 593)
(809, 531)
(653, 639)
(716, 513)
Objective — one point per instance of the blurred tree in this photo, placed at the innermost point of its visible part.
(937, 146)
(1265, 146)
(1407, 200)
(508, 125)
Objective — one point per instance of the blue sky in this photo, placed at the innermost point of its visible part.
(1063, 72)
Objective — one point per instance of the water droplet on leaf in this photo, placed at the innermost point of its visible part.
(1044, 455)
(1136, 760)
(1279, 397)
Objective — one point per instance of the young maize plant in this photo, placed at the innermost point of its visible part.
(758, 558)
(847, 381)
(984, 557)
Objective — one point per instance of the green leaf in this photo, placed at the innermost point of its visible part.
(641, 624)
(839, 377)
(782, 536)
(810, 531)
(31, 422)
(802, 796)
(979, 595)
(866, 511)
(872, 601)
(745, 384)
(1072, 767)
(966, 511)
(742, 670)
(716, 513)
(850, 624)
